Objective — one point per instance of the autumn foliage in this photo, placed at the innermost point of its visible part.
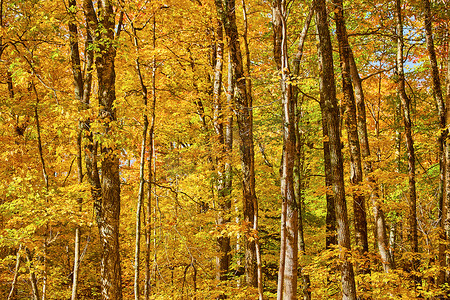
(212, 175)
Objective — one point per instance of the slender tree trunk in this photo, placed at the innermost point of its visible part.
(223, 189)
(16, 274)
(82, 88)
(300, 176)
(380, 224)
(33, 281)
(437, 94)
(447, 156)
(250, 104)
(108, 205)
(140, 200)
(151, 171)
(331, 109)
(226, 10)
(287, 273)
(46, 182)
(405, 102)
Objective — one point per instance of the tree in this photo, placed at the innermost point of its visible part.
(226, 11)
(356, 173)
(331, 110)
(287, 274)
(101, 23)
(437, 94)
(406, 114)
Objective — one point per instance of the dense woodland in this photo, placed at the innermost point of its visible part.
(224, 149)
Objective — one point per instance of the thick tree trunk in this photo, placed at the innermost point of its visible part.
(108, 202)
(330, 220)
(437, 94)
(226, 10)
(287, 273)
(356, 174)
(405, 103)
(331, 109)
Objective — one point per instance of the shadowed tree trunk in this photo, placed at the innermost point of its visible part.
(331, 110)
(223, 185)
(405, 104)
(447, 155)
(151, 130)
(226, 10)
(437, 94)
(107, 204)
(356, 174)
(330, 220)
(140, 200)
(380, 224)
(82, 88)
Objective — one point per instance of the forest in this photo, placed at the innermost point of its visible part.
(223, 149)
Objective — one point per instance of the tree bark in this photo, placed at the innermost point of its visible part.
(447, 157)
(287, 273)
(223, 186)
(16, 273)
(140, 199)
(33, 281)
(405, 103)
(437, 94)
(250, 104)
(330, 220)
(300, 174)
(147, 288)
(108, 203)
(356, 174)
(380, 224)
(226, 10)
(331, 110)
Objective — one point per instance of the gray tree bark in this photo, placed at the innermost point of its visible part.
(331, 110)
(287, 273)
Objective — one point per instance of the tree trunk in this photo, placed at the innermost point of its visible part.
(437, 94)
(140, 199)
(405, 103)
(380, 224)
(356, 174)
(227, 13)
(147, 288)
(331, 110)
(16, 273)
(82, 87)
(300, 174)
(447, 156)
(108, 204)
(330, 220)
(287, 273)
(223, 187)
(33, 281)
